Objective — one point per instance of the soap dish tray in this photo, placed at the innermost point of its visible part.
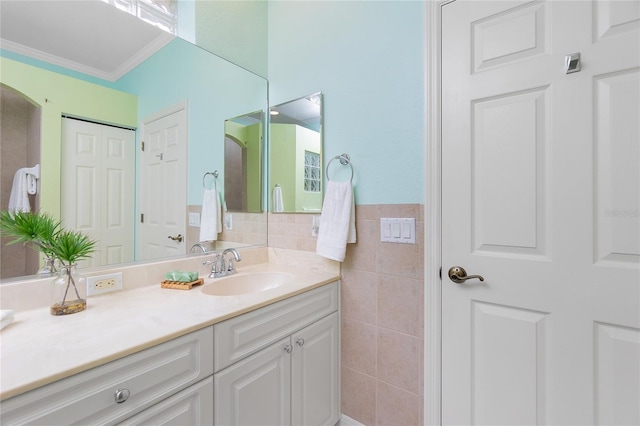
(181, 285)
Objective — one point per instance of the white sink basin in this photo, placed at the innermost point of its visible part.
(246, 283)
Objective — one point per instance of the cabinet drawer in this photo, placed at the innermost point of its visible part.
(89, 397)
(192, 406)
(246, 334)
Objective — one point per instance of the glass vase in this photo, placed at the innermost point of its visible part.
(68, 291)
(49, 266)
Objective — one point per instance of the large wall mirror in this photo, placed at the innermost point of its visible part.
(295, 155)
(173, 96)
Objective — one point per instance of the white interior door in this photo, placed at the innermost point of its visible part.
(541, 196)
(163, 185)
(98, 187)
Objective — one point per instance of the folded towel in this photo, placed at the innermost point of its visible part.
(181, 276)
(6, 318)
(278, 202)
(211, 217)
(19, 198)
(337, 221)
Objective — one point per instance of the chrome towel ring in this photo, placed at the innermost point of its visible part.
(345, 160)
(213, 173)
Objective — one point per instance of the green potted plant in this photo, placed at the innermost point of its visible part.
(69, 290)
(44, 233)
(31, 229)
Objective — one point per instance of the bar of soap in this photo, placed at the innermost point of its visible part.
(181, 276)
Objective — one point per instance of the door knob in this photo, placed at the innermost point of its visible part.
(178, 238)
(458, 275)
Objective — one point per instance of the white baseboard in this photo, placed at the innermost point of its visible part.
(348, 421)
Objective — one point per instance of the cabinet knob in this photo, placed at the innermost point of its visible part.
(288, 348)
(300, 341)
(122, 395)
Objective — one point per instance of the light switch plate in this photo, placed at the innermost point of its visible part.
(398, 230)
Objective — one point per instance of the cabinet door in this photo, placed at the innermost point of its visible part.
(256, 390)
(192, 406)
(315, 376)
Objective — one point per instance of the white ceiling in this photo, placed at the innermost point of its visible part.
(88, 36)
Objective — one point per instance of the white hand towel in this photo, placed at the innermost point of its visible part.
(19, 198)
(211, 217)
(337, 221)
(278, 202)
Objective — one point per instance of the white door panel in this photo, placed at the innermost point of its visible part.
(97, 198)
(163, 184)
(541, 196)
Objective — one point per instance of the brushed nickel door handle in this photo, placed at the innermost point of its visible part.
(458, 275)
(178, 238)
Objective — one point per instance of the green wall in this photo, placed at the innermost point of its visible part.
(282, 139)
(55, 95)
(287, 145)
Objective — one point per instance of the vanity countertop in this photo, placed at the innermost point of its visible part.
(38, 348)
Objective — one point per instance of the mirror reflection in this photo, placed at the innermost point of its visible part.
(150, 201)
(242, 162)
(295, 155)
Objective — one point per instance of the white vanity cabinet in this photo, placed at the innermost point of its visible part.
(172, 375)
(192, 406)
(279, 365)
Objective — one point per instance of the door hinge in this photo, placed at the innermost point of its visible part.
(143, 145)
(141, 217)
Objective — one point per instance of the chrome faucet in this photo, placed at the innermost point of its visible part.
(219, 265)
(197, 245)
(230, 267)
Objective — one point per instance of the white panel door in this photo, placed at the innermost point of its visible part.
(98, 187)
(163, 185)
(541, 196)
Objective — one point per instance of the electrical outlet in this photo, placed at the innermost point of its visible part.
(194, 219)
(104, 283)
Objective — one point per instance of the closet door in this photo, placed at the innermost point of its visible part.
(97, 188)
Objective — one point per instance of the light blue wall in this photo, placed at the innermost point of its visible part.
(215, 90)
(235, 30)
(367, 59)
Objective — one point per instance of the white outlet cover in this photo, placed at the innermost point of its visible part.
(194, 219)
(91, 283)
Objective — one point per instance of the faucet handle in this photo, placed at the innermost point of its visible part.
(231, 269)
(217, 266)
